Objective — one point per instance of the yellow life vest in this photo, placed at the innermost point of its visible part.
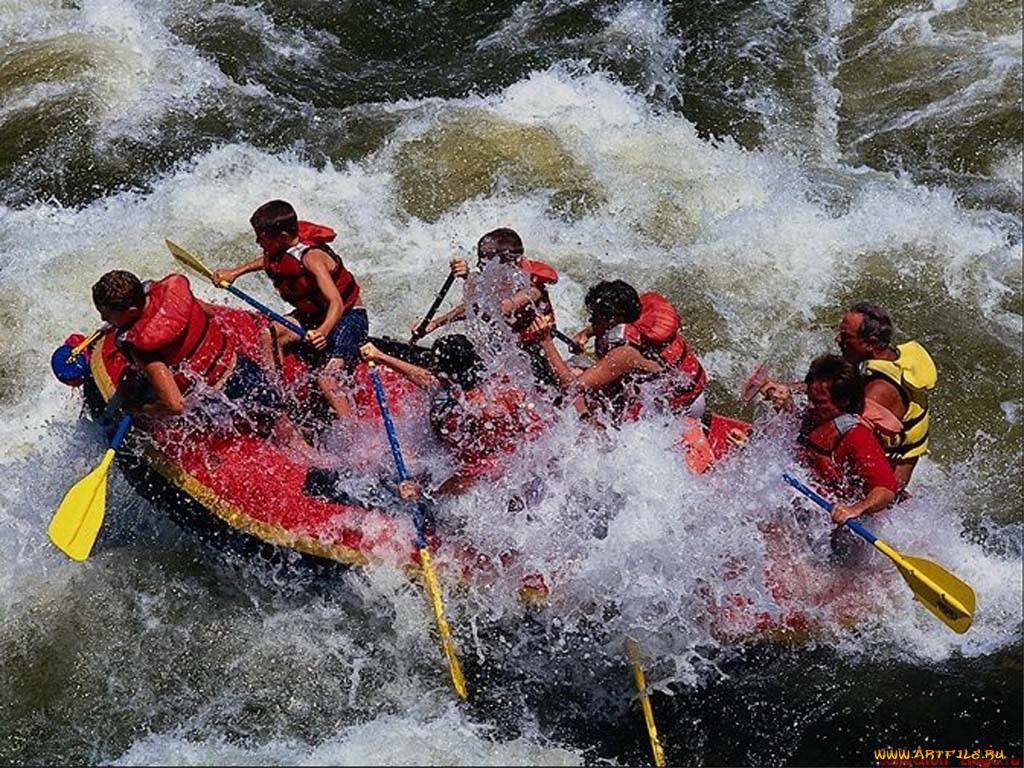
(913, 374)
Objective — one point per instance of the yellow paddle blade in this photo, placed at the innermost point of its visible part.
(186, 258)
(434, 591)
(77, 522)
(633, 652)
(74, 353)
(950, 599)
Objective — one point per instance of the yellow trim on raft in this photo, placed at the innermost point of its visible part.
(229, 513)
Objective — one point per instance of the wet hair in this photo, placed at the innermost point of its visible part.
(454, 358)
(503, 242)
(118, 290)
(274, 218)
(846, 385)
(876, 325)
(614, 300)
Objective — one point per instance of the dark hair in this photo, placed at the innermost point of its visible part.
(454, 358)
(876, 324)
(274, 218)
(503, 242)
(118, 290)
(614, 300)
(846, 385)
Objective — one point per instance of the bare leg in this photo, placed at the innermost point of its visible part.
(273, 339)
(330, 381)
(287, 434)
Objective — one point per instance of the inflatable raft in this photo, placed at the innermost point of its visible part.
(223, 483)
(243, 493)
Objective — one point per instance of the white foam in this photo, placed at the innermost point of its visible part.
(444, 738)
(747, 229)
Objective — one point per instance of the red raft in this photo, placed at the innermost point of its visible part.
(223, 482)
(257, 488)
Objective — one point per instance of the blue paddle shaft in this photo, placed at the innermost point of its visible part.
(122, 430)
(828, 506)
(861, 531)
(389, 425)
(821, 501)
(420, 515)
(289, 324)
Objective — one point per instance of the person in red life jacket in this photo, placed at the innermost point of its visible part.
(840, 445)
(637, 341)
(898, 380)
(311, 277)
(480, 421)
(522, 307)
(177, 343)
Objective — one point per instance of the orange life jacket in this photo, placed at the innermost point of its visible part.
(656, 335)
(297, 285)
(541, 276)
(703, 446)
(175, 329)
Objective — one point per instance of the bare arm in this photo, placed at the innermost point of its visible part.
(582, 335)
(608, 370)
(458, 312)
(876, 499)
(232, 274)
(319, 264)
(519, 300)
(421, 377)
(613, 366)
(561, 369)
(169, 399)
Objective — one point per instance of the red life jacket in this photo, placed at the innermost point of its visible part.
(297, 285)
(479, 428)
(541, 276)
(825, 439)
(175, 329)
(656, 335)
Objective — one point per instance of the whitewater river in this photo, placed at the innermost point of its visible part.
(764, 163)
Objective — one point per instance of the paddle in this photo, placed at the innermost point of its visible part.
(192, 262)
(77, 522)
(575, 348)
(419, 518)
(938, 590)
(84, 344)
(633, 652)
(421, 329)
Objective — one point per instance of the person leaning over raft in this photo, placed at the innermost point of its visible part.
(522, 307)
(479, 420)
(176, 341)
(841, 445)
(311, 277)
(898, 379)
(638, 344)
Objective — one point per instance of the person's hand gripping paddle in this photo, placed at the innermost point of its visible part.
(947, 597)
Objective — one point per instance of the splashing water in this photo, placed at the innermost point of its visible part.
(801, 167)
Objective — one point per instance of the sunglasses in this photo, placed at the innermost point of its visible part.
(505, 257)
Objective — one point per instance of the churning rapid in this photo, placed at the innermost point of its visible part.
(764, 164)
